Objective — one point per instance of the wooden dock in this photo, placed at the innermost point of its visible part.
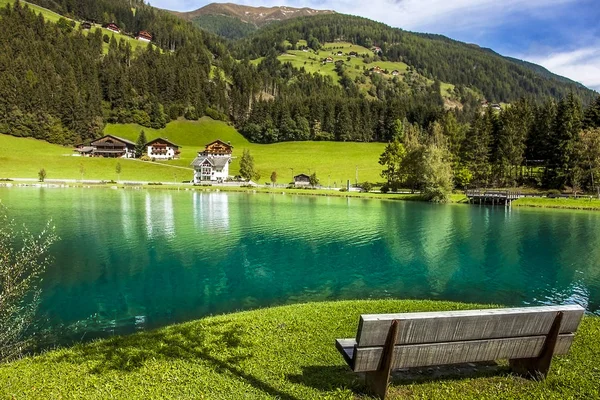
(493, 197)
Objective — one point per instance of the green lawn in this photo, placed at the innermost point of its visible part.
(332, 161)
(278, 353)
(579, 204)
(24, 157)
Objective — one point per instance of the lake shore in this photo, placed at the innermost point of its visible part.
(582, 203)
(225, 357)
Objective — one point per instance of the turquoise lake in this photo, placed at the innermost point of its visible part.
(131, 260)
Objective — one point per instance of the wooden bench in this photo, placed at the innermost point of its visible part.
(528, 337)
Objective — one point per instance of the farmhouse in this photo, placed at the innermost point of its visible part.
(301, 180)
(144, 36)
(162, 149)
(113, 27)
(212, 164)
(108, 146)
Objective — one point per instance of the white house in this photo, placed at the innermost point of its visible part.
(212, 164)
(162, 149)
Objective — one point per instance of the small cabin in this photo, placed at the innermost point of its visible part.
(329, 60)
(376, 50)
(353, 54)
(86, 25)
(144, 36)
(112, 27)
(395, 72)
(340, 53)
(302, 180)
(162, 149)
(376, 70)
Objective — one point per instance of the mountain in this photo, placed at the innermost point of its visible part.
(234, 21)
(435, 57)
(258, 16)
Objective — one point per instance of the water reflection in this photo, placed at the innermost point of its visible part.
(131, 260)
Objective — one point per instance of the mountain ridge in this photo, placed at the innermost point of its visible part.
(259, 16)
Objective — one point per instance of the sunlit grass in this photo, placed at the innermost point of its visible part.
(277, 353)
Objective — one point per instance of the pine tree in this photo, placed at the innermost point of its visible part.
(247, 165)
(140, 144)
(591, 118)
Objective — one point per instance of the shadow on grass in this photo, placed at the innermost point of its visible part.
(328, 378)
(217, 345)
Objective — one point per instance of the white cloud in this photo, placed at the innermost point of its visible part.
(582, 65)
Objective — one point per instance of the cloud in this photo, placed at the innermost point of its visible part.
(582, 65)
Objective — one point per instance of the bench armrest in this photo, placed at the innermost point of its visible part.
(346, 348)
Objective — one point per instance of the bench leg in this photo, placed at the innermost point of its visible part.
(378, 381)
(538, 367)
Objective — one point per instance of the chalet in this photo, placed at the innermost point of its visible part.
(301, 180)
(86, 25)
(162, 149)
(112, 27)
(108, 146)
(329, 60)
(376, 49)
(395, 72)
(144, 36)
(376, 70)
(212, 164)
(340, 53)
(353, 54)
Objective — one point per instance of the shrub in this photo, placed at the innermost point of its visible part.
(23, 260)
(42, 175)
(343, 190)
(366, 187)
(155, 184)
(145, 158)
(385, 188)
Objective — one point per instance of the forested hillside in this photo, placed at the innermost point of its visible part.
(498, 79)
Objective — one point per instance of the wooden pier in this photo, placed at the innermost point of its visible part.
(493, 197)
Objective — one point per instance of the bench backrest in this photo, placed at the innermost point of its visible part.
(439, 338)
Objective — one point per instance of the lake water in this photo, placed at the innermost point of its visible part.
(131, 259)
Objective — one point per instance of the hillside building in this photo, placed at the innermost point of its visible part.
(86, 25)
(162, 149)
(212, 164)
(108, 146)
(144, 36)
(113, 27)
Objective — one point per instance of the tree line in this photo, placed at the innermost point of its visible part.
(554, 144)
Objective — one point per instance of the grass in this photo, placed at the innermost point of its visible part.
(332, 161)
(24, 157)
(279, 353)
(577, 204)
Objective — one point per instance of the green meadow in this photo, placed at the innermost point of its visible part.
(225, 357)
(24, 157)
(332, 161)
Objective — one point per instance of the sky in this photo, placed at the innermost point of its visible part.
(561, 35)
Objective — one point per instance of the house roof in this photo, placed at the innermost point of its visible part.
(160, 139)
(129, 142)
(301, 175)
(217, 162)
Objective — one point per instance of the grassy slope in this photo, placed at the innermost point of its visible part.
(54, 17)
(23, 158)
(355, 67)
(326, 158)
(285, 352)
